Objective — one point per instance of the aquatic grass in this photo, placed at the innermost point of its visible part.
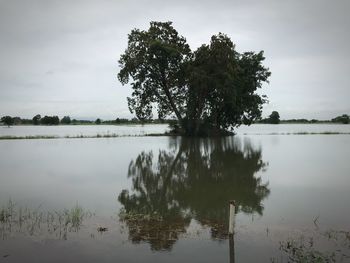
(28, 137)
(339, 236)
(14, 219)
(108, 135)
(303, 249)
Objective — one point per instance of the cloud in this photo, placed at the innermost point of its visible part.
(67, 51)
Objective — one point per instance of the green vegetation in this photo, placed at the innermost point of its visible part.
(108, 135)
(66, 120)
(28, 221)
(50, 120)
(274, 118)
(302, 133)
(304, 121)
(36, 119)
(209, 91)
(7, 120)
(324, 247)
(345, 119)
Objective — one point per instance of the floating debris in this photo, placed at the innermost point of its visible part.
(102, 229)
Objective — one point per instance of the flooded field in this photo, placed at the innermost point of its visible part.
(137, 130)
(165, 199)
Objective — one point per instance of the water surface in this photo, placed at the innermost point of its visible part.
(175, 194)
(127, 130)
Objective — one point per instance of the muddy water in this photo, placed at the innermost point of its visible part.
(165, 199)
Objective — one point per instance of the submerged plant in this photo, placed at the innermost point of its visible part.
(301, 251)
(315, 249)
(14, 219)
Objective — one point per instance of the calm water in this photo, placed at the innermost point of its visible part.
(175, 194)
(92, 130)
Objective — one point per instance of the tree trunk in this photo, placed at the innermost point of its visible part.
(171, 101)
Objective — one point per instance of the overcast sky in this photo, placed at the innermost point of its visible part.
(61, 56)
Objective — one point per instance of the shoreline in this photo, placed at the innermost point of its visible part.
(98, 136)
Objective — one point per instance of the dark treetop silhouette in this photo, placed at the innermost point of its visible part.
(209, 90)
(194, 179)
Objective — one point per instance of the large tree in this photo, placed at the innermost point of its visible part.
(222, 87)
(209, 90)
(274, 118)
(155, 59)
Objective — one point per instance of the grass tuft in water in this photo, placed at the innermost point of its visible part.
(14, 219)
(108, 135)
(326, 247)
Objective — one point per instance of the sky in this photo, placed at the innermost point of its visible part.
(60, 57)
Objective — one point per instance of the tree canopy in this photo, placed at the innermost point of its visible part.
(8, 120)
(66, 120)
(36, 119)
(274, 118)
(208, 90)
(50, 120)
(344, 119)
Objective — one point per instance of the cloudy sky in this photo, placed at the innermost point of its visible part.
(61, 56)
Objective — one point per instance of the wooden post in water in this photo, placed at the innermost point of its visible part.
(232, 248)
(231, 231)
(231, 222)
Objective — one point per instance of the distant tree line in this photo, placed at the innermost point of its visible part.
(273, 118)
(345, 119)
(66, 120)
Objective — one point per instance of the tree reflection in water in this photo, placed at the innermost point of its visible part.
(193, 179)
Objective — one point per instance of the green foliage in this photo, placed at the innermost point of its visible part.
(345, 119)
(36, 119)
(66, 120)
(7, 120)
(81, 122)
(274, 118)
(154, 59)
(302, 252)
(209, 90)
(222, 85)
(50, 120)
(323, 247)
(14, 218)
(98, 121)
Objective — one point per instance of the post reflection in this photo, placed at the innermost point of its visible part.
(192, 179)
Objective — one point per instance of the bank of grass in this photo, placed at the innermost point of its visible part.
(68, 136)
(301, 133)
